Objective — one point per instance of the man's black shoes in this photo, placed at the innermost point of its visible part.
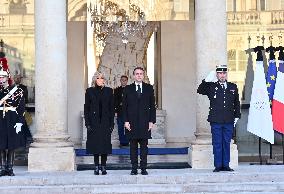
(133, 172)
(10, 172)
(3, 172)
(144, 172)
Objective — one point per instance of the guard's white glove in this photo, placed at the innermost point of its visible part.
(18, 127)
(235, 121)
(211, 77)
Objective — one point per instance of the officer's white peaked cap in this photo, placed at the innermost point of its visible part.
(221, 68)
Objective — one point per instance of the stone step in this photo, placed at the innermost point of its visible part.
(254, 187)
(234, 187)
(246, 179)
(177, 176)
(125, 159)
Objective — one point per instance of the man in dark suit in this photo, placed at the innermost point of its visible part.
(223, 115)
(139, 116)
(118, 93)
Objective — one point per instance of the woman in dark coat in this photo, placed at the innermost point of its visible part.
(99, 120)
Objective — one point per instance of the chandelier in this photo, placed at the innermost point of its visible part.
(107, 18)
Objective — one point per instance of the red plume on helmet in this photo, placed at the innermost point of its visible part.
(4, 63)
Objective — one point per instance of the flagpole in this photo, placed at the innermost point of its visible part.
(282, 148)
(259, 151)
(281, 58)
(258, 50)
(271, 50)
(256, 114)
(270, 150)
(260, 118)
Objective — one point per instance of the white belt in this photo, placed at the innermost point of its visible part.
(8, 108)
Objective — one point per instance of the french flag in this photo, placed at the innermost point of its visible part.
(278, 100)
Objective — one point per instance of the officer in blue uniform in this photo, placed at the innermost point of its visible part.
(223, 114)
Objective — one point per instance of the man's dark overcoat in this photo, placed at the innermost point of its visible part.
(139, 111)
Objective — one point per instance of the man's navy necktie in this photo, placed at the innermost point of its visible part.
(139, 90)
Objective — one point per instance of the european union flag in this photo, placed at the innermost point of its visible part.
(271, 79)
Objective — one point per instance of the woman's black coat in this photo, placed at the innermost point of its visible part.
(99, 115)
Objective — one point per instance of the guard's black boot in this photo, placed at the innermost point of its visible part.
(10, 163)
(104, 172)
(2, 162)
(97, 170)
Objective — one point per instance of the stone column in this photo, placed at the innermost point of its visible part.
(211, 50)
(51, 150)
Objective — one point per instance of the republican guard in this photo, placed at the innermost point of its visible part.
(12, 108)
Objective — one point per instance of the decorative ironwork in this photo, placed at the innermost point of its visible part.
(107, 17)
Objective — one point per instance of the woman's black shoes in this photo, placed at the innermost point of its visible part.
(104, 172)
(97, 170)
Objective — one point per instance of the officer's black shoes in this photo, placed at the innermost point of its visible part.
(144, 172)
(227, 168)
(217, 169)
(104, 172)
(134, 172)
(9, 172)
(97, 170)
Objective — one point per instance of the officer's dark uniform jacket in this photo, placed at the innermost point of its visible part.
(11, 112)
(224, 103)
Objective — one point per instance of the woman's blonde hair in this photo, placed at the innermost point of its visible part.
(95, 76)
